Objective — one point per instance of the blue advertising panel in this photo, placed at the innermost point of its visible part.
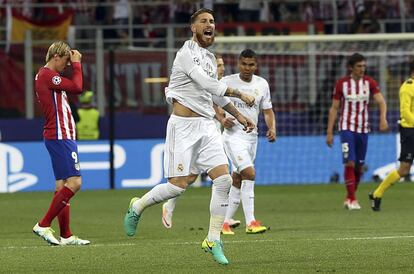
(139, 163)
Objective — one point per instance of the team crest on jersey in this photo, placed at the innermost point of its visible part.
(56, 80)
(196, 60)
(77, 166)
(180, 167)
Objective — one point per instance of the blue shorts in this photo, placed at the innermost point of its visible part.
(64, 156)
(354, 146)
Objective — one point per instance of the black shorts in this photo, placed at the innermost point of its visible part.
(407, 144)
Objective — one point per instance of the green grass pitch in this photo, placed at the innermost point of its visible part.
(310, 233)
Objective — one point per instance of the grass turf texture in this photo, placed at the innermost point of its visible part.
(310, 233)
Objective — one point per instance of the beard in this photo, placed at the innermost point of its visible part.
(204, 43)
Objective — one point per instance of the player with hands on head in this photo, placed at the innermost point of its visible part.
(60, 138)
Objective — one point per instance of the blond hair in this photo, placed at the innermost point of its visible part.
(60, 48)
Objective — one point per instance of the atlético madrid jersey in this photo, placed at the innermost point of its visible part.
(354, 96)
(51, 89)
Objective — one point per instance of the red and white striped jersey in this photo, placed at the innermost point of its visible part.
(354, 96)
(51, 89)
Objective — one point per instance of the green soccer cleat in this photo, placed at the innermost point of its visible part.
(216, 249)
(131, 219)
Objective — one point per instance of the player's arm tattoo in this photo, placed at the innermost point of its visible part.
(233, 92)
(230, 108)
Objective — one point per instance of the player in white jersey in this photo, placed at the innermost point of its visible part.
(192, 143)
(241, 147)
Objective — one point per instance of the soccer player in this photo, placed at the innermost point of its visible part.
(351, 95)
(241, 147)
(193, 144)
(406, 140)
(60, 138)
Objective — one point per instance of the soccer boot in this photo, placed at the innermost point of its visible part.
(255, 227)
(46, 233)
(355, 205)
(347, 204)
(131, 219)
(375, 202)
(73, 240)
(234, 223)
(226, 230)
(166, 216)
(216, 249)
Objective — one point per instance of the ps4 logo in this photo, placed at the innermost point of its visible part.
(12, 178)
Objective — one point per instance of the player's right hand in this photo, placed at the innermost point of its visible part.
(248, 99)
(329, 139)
(75, 55)
(228, 122)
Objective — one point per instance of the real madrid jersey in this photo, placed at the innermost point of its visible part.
(257, 87)
(193, 80)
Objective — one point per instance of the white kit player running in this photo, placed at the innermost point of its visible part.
(193, 143)
(240, 146)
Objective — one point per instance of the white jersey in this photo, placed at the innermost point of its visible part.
(257, 87)
(193, 80)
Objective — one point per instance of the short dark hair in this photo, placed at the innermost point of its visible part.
(198, 12)
(218, 56)
(248, 53)
(355, 58)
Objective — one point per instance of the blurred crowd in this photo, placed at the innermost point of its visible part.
(354, 16)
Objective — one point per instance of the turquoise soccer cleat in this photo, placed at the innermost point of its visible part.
(216, 249)
(131, 219)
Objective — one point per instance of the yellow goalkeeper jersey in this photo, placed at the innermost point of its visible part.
(407, 103)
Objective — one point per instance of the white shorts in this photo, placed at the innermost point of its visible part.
(241, 152)
(193, 145)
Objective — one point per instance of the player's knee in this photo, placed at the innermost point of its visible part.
(404, 170)
(74, 183)
(248, 174)
(223, 182)
(350, 164)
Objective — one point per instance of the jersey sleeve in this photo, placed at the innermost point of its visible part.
(221, 101)
(373, 86)
(337, 92)
(266, 102)
(405, 104)
(74, 85)
(191, 66)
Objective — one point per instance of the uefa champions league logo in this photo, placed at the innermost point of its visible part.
(11, 165)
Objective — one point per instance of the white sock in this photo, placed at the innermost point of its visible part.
(234, 202)
(218, 205)
(170, 204)
(156, 195)
(247, 197)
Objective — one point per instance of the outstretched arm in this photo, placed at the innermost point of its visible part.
(246, 122)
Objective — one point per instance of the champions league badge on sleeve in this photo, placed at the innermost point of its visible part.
(56, 80)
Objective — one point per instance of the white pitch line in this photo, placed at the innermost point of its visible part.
(231, 241)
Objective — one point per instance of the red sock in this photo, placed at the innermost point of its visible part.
(358, 174)
(349, 175)
(59, 201)
(63, 218)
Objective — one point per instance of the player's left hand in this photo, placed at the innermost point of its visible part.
(383, 125)
(271, 135)
(246, 122)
